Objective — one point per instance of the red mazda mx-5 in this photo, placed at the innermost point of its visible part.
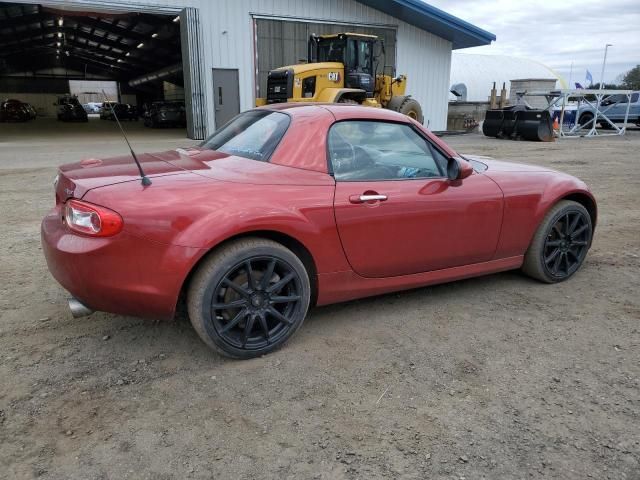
(296, 205)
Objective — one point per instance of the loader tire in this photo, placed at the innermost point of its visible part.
(407, 106)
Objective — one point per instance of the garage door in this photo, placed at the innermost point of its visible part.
(284, 42)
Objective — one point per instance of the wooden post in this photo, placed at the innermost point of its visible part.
(492, 102)
(503, 96)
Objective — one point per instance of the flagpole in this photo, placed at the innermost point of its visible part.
(570, 75)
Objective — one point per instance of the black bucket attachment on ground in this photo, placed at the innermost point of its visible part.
(518, 122)
(535, 125)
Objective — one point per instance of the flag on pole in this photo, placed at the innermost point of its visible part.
(589, 78)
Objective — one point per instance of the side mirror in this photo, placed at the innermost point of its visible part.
(458, 169)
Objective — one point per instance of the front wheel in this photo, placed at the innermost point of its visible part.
(560, 244)
(586, 121)
(248, 298)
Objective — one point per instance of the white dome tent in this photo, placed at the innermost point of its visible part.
(478, 72)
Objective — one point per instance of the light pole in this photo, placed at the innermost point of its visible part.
(604, 62)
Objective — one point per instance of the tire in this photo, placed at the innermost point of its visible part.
(584, 119)
(557, 251)
(407, 106)
(224, 300)
(348, 101)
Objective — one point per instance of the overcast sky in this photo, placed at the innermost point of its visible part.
(559, 32)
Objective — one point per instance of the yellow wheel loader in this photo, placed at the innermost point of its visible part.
(343, 69)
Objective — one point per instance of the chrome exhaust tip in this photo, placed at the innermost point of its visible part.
(78, 309)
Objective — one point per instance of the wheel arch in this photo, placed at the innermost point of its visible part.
(333, 95)
(587, 201)
(583, 197)
(286, 240)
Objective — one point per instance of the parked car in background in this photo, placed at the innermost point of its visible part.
(614, 107)
(165, 114)
(31, 111)
(105, 109)
(70, 110)
(12, 110)
(92, 107)
(293, 205)
(124, 111)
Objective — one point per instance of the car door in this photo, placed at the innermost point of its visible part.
(615, 107)
(397, 213)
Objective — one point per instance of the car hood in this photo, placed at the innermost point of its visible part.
(76, 179)
(493, 165)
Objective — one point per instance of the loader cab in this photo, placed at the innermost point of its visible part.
(354, 51)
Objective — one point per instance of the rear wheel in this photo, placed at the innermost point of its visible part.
(408, 106)
(560, 244)
(248, 298)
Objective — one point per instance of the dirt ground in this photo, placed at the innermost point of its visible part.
(498, 377)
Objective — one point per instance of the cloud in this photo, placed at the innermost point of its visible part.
(558, 33)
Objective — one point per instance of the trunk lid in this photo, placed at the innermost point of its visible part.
(76, 179)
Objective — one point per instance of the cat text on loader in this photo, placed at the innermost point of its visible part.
(342, 68)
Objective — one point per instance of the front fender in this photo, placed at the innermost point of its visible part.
(527, 199)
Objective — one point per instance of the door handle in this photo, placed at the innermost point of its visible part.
(367, 198)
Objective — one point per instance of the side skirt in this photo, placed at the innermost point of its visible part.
(342, 286)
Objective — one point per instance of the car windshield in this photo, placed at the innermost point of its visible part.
(254, 134)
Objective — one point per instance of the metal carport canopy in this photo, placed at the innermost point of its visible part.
(426, 17)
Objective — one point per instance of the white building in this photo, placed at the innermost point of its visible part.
(228, 46)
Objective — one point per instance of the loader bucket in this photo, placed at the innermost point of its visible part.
(492, 124)
(535, 125)
(509, 121)
(518, 122)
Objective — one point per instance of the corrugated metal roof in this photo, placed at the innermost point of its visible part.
(426, 17)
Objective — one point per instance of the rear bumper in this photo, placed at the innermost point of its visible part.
(168, 118)
(123, 274)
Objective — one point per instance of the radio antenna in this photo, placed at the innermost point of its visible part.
(146, 181)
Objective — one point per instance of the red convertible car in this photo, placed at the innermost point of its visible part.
(290, 206)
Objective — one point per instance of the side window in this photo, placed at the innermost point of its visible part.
(634, 97)
(362, 150)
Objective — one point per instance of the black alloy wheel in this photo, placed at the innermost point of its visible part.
(249, 297)
(560, 244)
(255, 303)
(567, 244)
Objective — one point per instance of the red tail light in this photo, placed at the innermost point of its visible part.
(93, 220)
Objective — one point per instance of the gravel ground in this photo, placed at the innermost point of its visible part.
(498, 377)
